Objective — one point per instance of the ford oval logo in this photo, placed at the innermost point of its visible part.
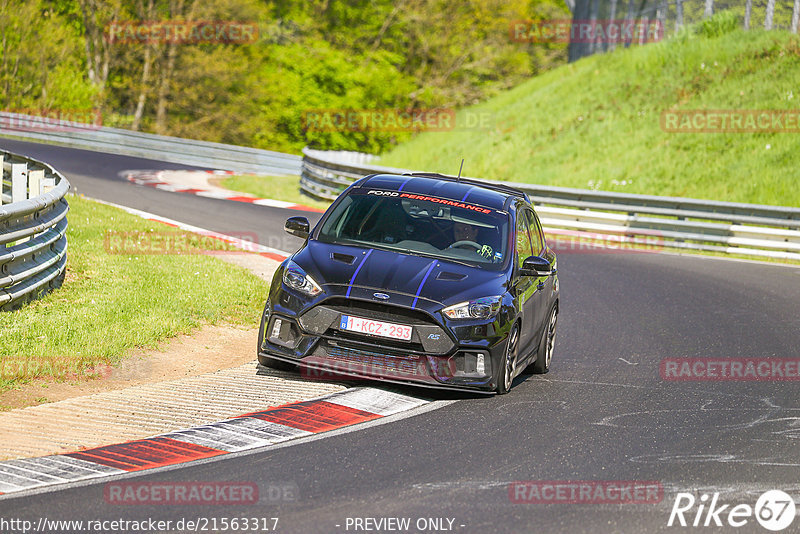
(381, 296)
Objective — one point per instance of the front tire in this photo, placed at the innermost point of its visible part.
(544, 354)
(508, 368)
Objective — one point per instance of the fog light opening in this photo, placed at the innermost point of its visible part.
(276, 328)
(284, 333)
(469, 365)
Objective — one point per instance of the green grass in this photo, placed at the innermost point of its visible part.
(596, 123)
(275, 187)
(112, 302)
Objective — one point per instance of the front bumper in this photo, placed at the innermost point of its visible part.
(463, 358)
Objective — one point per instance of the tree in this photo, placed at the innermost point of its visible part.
(363, 54)
(709, 9)
(177, 9)
(629, 18)
(97, 17)
(612, 15)
(145, 13)
(581, 13)
(594, 46)
(661, 15)
(770, 14)
(41, 71)
(748, 9)
(795, 15)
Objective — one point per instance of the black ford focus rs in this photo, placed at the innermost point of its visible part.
(419, 278)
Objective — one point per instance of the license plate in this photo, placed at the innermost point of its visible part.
(375, 328)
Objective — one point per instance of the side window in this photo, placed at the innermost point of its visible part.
(536, 232)
(523, 240)
(540, 231)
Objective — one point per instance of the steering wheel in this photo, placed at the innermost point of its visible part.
(466, 242)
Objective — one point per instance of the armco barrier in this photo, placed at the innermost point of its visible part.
(683, 223)
(159, 147)
(33, 226)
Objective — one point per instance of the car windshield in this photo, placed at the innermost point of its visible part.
(437, 227)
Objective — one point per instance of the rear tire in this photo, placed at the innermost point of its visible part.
(544, 354)
(505, 375)
(266, 361)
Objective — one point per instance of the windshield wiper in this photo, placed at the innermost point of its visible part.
(440, 258)
(460, 262)
(410, 252)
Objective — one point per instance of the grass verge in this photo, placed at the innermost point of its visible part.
(112, 301)
(596, 123)
(285, 188)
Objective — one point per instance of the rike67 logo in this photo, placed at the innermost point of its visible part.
(774, 510)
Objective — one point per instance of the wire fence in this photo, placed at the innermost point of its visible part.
(663, 18)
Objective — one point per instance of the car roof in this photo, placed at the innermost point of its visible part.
(490, 195)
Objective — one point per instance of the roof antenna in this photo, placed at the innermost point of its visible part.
(459, 169)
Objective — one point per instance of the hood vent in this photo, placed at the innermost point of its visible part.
(454, 277)
(343, 258)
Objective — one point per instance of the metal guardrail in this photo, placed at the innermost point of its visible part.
(159, 147)
(33, 226)
(649, 221)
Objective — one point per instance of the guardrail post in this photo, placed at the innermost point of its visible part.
(35, 179)
(48, 184)
(19, 182)
(2, 172)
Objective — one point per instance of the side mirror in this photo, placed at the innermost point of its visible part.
(297, 226)
(536, 266)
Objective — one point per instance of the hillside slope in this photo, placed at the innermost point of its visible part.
(596, 123)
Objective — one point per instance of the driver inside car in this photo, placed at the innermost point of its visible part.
(467, 232)
(464, 232)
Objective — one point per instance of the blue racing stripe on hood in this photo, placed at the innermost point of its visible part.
(424, 278)
(360, 265)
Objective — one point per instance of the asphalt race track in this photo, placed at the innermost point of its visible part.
(96, 175)
(603, 413)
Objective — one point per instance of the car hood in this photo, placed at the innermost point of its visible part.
(409, 280)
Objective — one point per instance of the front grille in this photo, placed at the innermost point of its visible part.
(363, 362)
(429, 337)
(399, 344)
(380, 311)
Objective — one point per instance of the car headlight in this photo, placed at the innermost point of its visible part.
(482, 308)
(296, 278)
